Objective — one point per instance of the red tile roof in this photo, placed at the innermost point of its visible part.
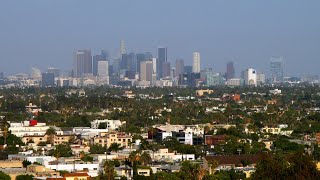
(76, 174)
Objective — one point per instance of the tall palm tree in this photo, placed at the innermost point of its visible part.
(57, 155)
(5, 131)
(109, 170)
(213, 164)
(134, 157)
(145, 158)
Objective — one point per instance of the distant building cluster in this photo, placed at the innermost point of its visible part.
(143, 70)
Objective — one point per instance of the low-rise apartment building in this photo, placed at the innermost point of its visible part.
(117, 137)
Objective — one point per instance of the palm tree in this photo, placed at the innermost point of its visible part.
(115, 147)
(145, 158)
(57, 155)
(51, 132)
(109, 170)
(134, 157)
(5, 131)
(213, 164)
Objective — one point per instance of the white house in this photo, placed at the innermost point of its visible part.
(111, 124)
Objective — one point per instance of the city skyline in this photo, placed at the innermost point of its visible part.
(35, 35)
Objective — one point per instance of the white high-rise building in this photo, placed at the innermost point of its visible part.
(250, 77)
(122, 48)
(196, 62)
(103, 72)
(154, 65)
(36, 74)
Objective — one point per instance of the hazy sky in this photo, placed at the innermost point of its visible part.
(44, 33)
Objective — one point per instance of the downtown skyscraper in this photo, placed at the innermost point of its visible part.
(95, 61)
(230, 70)
(196, 68)
(82, 63)
(276, 69)
(162, 59)
(179, 67)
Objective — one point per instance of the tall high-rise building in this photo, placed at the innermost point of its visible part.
(36, 74)
(82, 63)
(276, 69)
(128, 62)
(55, 71)
(187, 69)
(154, 66)
(230, 70)
(124, 62)
(116, 63)
(162, 58)
(166, 69)
(122, 48)
(105, 54)
(146, 69)
(95, 61)
(179, 67)
(250, 77)
(260, 78)
(47, 79)
(196, 62)
(132, 62)
(140, 57)
(103, 69)
(103, 72)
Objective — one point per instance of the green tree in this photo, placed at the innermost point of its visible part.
(25, 177)
(51, 132)
(4, 176)
(161, 175)
(87, 158)
(25, 163)
(191, 171)
(63, 172)
(5, 131)
(11, 140)
(292, 166)
(97, 149)
(109, 170)
(102, 126)
(145, 158)
(230, 174)
(62, 150)
(115, 147)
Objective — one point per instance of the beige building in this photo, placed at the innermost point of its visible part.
(201, 92)
(11, 164)
(120, 138)
(41, 171)
(35, 140)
